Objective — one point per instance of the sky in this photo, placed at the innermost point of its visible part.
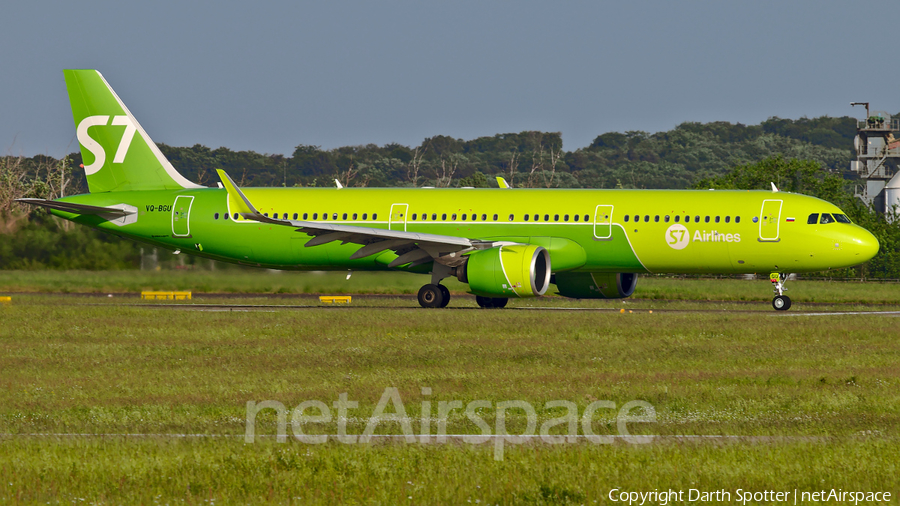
(269, 76)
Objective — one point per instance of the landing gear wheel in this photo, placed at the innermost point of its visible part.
(781, 303)
(485, 302)
(489, 303)
(431, 296)
(446, 295)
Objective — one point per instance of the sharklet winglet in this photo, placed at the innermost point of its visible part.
(237, 194)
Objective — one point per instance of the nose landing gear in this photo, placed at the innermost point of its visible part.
(781, 302)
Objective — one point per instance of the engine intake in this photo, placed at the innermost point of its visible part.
(507, 271)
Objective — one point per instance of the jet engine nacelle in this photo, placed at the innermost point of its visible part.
(507, 271)
(595, 285)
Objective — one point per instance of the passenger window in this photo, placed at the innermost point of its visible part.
(365, 215)
(627, 217)
(344, 217)
(453, 217)
(717, 219)
(295, 216)
(526, 217)
(334, 216)
(495, 217)
(555, 217)
(511, 217)
(483, 217)
(356, 215)
(225, 216)
(444, 217)
(696, 219)
(216, 216)
(656, 219)
(666, 218)
(546, 217)
(577, 216)
(737, 219)
(305, 215)
(841, 218)
(325, 216)
(706, 219)
(433, 216)
(646, 218)
(474, 217)
(415, 215)
(374, 216)
(565, 217)
(813, 219)
(826, 218)
(727, 219)
(677, 217)
(424, 216)
(586, 218)
(637, 218)
(315, 216)
(266, 215)
(464, 217)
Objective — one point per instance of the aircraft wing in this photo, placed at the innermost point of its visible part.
(411, 247)
(71, 207)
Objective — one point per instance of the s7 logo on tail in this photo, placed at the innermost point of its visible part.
(96, 148)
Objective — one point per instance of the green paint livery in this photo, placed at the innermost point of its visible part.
(491, 238)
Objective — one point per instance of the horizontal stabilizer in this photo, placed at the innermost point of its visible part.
(70, 207)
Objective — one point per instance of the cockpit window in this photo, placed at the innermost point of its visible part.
(841, 218)
(826, 218)
(813, 219)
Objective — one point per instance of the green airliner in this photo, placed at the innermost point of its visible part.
(503, 242)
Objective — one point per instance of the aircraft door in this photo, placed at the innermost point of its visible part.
(603, 222)
(770, 220)
(398, 217)
(181, 213)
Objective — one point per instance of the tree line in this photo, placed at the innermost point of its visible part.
(702, 155)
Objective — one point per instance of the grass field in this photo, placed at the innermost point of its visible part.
(239, 281)
(813, 400)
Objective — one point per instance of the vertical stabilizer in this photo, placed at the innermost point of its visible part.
(118, 154)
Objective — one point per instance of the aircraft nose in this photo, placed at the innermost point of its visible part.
(865, 245)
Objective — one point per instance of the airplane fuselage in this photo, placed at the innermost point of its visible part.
(504, 243)
(641, 231)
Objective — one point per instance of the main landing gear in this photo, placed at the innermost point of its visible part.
(781, 302)
(436, 295)
(491, 303)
